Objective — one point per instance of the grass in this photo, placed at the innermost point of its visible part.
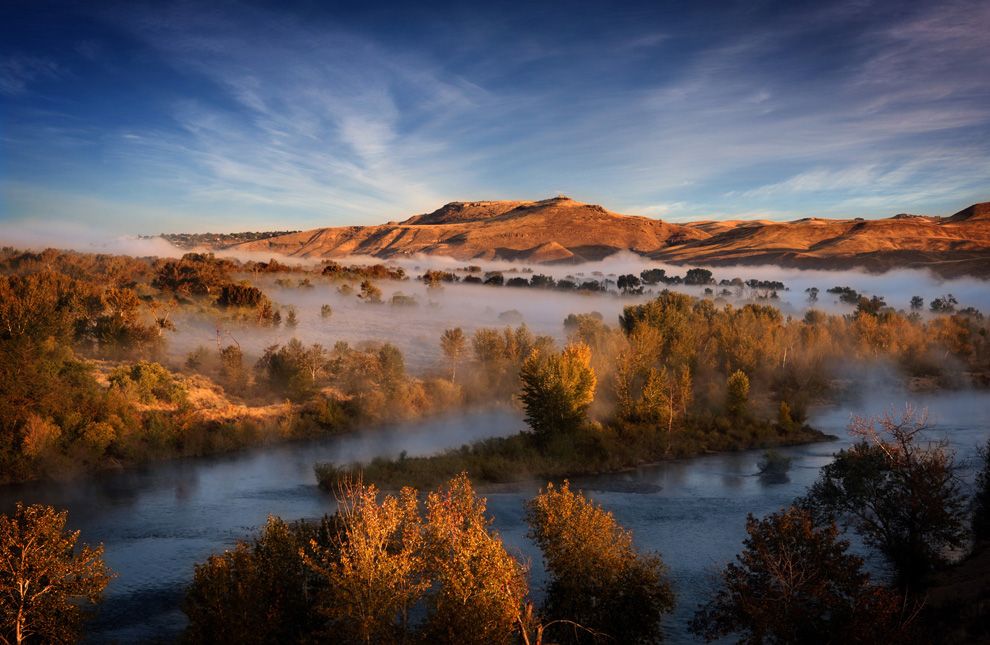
(593, 450)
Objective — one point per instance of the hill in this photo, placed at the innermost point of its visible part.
(564, 230)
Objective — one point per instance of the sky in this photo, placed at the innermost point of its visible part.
(229, 116)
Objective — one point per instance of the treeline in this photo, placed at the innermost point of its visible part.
(627, 284)
(677, 376)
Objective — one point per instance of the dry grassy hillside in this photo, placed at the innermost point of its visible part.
(564, 230)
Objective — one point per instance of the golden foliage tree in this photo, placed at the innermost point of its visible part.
(597, 578)
(375, 567)
(558, 389)
(44, 581)
(454, 344)
(480, 587)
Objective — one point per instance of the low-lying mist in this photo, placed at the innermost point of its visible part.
(416, 328)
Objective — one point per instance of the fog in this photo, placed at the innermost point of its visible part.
(416, 329)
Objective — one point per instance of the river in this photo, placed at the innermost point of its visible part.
(157, 521)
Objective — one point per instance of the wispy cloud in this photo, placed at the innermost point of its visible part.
(850, 108)
(18, 72)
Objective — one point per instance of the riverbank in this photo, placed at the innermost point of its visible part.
(596, 450)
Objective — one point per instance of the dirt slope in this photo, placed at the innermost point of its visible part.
(564, 230)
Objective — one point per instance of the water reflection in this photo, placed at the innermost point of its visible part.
(156, 522)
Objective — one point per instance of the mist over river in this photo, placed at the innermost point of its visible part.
(157, 521)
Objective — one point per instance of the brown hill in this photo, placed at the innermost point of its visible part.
(564, 230)
(552, 230)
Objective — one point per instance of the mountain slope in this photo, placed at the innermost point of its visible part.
(564, 230)
(558, 229)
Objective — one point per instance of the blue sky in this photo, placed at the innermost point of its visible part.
(195, 116)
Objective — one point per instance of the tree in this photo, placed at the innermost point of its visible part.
(454, 344)
(698, 276)
(917, 303)
(795, 582)
(629, 284)
(812, 294)
(374, 568)
(370, 292)
(557, 389)
(944, 305)
(652, 276)
(901, 495)
(254, 593)
(479, 588)
(981, 498)
(597, 578)
(737, 397)
(44, 581)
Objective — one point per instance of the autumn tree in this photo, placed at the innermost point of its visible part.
(454, 344)
(258, 592)
(374, 568)
(557, 390)
(796, 582)
(478, 587)
(597, 578)
(45, 582)
(737, 395)
(898, 491)
(370, 292)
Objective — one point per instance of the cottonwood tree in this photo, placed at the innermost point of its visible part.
(257, 592)
(454, 345)
(796, 582)
(45, 582)
(898, 491)
(479, 588)
(737, 396)
(597, 578)
(557, 390)
(374, 568)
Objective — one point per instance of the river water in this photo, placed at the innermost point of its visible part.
(157, 521)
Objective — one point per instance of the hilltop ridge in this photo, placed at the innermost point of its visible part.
(561, 229)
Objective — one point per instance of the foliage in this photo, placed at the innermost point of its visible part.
(981, 497)
(900, 494)
(45, 583)
(454, 346)
(597, 578)
(737, 397)
(258, 592)
(795, 582)
(479, 587)
(193, 274)
(557, 390)
(293, 369)
(149, 383)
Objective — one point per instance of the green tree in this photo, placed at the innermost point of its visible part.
(45, 582)
(795, 582)
(597, 578)
(900, 493)
(557, 390)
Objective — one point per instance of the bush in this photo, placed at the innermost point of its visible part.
(150, 383)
